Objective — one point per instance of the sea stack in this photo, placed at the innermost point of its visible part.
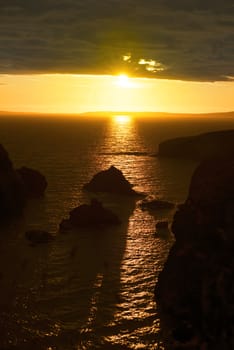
(34, 182)
(112, 181)
(16, 187)
(92, 215)
(195, 290)
(12, 198)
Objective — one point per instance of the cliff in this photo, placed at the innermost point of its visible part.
(195, 290)
(199, 147)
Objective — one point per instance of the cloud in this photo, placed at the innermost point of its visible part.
(186, 39)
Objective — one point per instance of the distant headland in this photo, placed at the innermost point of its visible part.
(141, 114)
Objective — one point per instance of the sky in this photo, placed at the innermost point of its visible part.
(67, 55)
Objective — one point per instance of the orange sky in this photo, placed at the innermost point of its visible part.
(67, 93)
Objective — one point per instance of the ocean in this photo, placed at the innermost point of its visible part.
(92, 289)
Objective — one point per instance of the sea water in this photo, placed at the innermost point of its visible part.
(92, 289)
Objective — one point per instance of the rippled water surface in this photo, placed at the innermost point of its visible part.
(89, 289)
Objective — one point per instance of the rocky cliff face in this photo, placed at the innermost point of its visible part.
(195, 290)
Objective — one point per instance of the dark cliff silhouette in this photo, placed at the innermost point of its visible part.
(195, 290)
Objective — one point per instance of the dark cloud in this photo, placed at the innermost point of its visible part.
(187, 39)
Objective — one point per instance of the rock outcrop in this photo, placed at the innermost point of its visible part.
(16, 186)
(162, 225)
(90, 215)
(34, 182)
(12, 198)
(199, 147)
(156, 204)
(195, 290)
(111, 180)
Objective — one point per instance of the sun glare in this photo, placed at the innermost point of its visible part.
(122, 119)
(124, 81)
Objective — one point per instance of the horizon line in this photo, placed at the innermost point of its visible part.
(113, 112)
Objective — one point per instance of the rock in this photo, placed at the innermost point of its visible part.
(5, 162)
(16, 186)
(91, 215)
(111, 180)
(34, 182)
(162, 225)
(12, 198)
(199, 147)
(156, 204)
(162, 230)
(65, 225)
(195, 290)
(38, 236)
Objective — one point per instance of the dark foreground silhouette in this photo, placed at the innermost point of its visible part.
(195, 290)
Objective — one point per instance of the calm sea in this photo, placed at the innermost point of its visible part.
(89, 289)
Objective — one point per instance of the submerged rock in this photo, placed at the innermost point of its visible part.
(111, 180)
(90, 215)
(34, 182)
(156, 204)
(195, 290)
(38, 236)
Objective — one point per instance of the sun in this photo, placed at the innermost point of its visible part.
(122, 119)
(123, 81)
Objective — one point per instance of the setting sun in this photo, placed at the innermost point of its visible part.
(122, 119)
(124, 81)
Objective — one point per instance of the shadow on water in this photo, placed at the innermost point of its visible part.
(76, 289)
(96, 271)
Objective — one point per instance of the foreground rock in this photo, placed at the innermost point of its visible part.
(90, 215)
(111, 180)
(34, 182)
(195, 290)
(199, 147)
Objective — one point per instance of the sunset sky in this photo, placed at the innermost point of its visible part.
(73, 56)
